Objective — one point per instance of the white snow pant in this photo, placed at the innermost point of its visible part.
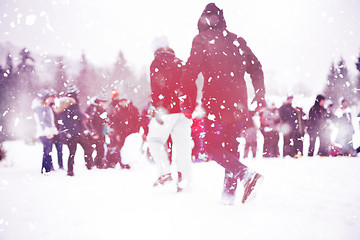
(179, 127)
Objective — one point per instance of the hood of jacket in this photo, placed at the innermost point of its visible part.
(319, 98)
(211, 18)
(164, 52)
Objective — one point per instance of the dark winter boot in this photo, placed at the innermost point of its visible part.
(163, 179)
(124, 166)
(230, 185)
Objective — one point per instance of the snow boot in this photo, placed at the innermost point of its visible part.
(163, 179)
(182, 184)
(252, 181)
(124, 166)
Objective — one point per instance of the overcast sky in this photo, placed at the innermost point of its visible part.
(296, 41)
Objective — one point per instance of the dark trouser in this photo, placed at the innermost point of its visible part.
(113, 155)
(59, 148)
(323, 148)
(100, 151)
(85, 144)
(47, 148)
(289, 148)
(271, 144)
(222, 146)
(299, 144)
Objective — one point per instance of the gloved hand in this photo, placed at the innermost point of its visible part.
(185, 109)
(187, 113)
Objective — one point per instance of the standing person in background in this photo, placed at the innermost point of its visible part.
(223, 58)
(46, 129)
(317, 126)
(270, 125)
(113, 152)
(165, 76)
(72, 129)
(57, 139)
(124, 119)
(346, 129)
(300, 129)
(288, 118)
(145, 117)
(96, 125)
(250, 135)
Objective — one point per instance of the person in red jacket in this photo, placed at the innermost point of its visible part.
(165, 77)
(123, 120)
(223, 58)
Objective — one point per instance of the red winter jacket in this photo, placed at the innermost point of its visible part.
(165, 76)
(223, 59)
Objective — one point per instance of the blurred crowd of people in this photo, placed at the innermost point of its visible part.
(330, 131)
(102, 128)
(106, 123)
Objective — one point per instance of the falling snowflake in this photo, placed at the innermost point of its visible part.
(236, 43)
(30, 20)
(211, 117)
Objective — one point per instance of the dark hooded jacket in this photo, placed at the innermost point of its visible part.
(165, 75)
(124, 120)
(223, 58)
(72, 119)
(317, 117)
(97, 118)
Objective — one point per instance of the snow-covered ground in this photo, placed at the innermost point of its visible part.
(306, 198)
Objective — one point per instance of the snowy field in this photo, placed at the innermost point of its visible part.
(306, 198)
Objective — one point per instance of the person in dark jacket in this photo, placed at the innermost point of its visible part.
(124, 120)
(300, 129)
(317, 126)
(270, 126)
(288, 118)
(72, 129)
(223, 58)
(168, 120)
(96, 125)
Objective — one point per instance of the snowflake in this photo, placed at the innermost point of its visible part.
(236, 43)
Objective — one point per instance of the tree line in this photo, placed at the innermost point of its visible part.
(340, 85)
(23, 76)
